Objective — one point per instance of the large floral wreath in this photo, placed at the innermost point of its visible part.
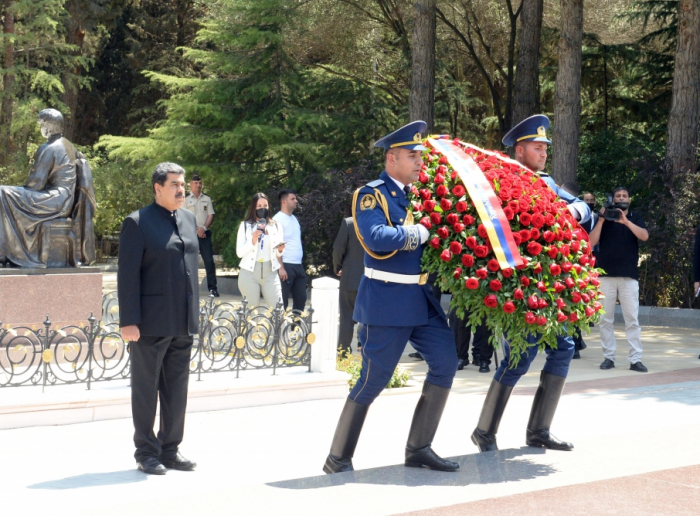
(552, 286)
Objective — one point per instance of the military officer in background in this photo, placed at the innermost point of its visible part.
(529, 139)
(395, 304)
(202, 206)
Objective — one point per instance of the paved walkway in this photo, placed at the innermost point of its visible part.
(635, 436)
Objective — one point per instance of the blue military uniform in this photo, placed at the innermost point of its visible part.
(556, 368)
(395, 304)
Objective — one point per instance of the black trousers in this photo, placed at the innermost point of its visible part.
(159, 370)
(207, 252)
(347, 324)
(481, 349)
(296, 285)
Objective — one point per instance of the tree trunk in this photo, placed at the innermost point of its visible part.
(567, 99)
(684, 118)
(6, 111)
(75, 36)
(526, 97)
(421, 101)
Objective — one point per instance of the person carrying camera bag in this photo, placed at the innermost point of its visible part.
(260, 245)
(618, 231)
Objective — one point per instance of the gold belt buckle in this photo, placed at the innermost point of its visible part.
(423, 278)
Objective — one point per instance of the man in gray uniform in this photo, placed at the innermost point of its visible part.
(202, 206)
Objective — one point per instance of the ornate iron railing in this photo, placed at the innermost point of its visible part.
(232, 337)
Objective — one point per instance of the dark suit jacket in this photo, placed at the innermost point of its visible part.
(348, 255)
(696, 256)
(157, 278)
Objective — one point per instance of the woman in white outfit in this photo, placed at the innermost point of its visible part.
(260, 246)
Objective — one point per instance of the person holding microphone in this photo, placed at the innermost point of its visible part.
(260, 245)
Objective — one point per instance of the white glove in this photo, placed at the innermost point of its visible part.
(424, 233)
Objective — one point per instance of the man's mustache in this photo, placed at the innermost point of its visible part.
(178, 195)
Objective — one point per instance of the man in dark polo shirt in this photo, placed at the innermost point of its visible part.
(618, 257)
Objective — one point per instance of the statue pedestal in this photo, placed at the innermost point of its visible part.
(67, 296)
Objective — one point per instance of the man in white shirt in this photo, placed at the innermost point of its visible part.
(292, 273)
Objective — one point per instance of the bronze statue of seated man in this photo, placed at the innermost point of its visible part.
(50, 193)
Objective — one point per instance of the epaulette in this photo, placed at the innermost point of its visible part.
(376, 183)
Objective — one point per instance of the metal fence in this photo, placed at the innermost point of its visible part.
(232, 337)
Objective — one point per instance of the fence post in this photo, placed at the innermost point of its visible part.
(324, 299)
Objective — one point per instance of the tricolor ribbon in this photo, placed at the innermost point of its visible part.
(487, 204)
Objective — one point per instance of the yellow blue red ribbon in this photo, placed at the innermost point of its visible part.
(487, 204)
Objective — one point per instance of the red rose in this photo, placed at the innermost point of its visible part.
(524, 235)
(597, 306)
(583, 260)
(491, 301)
(541, 286)
(481, 230)
(525, 219)
(424, 194)
(417, 206)
(445, 204)
(567, 234)
(561, 317)
(441, 169)
(481, 251)
(467, 260)
(495, 285)
(508, 307)
(575, 246)
(558, 287)
(573, 317)
(516, 238)
(443, 160)
(457, 273)
(538, 220)
(588, 311)
(509, 213)
(461, 206)
(554, 269)
(443, 232)
(586, 298)
(525, 282)
(459, 191)
(565, 250)
(468, 220)
(581, 284)
(561, 304)
(429, 205)
(566, 266)
(458, 227)
(543, 304)
(541, 320)
(482, 273)
(507, 273)
(493, 265)
(534, 234)
(552, 252)
(577, 268)
(533, 302)
(534, 248)
(439, 179)
(446, 255)
(595, 282)
(455, 247)
(472, 283)
(441, 191)
(530, 318)
(576, 297)
(470, 242)
(549, 219)
(569, 282)
(435, 242)
(538, 268)
(423, 177)
(548, 236)
(452, 218)
(435, 218)
(518, 293)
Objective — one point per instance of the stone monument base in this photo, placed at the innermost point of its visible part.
(67, 296)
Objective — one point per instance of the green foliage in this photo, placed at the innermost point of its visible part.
(351, 363)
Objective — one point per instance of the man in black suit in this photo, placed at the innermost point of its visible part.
(348, 263)
(159, 314)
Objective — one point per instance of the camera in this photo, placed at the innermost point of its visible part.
(611, 208)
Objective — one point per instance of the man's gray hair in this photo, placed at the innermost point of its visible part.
(52, 119)
(160, 173)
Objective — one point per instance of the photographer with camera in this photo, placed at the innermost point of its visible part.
(618, 231)
(259, 245)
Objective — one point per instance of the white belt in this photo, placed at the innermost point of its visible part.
(406, 279)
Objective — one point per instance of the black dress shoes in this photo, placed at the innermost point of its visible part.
(607, 364)
(460, 364)
(179, 463)
(576, 355)
(639, 367)
(543, 439)
(214, 292)
(416, 355)
(152, 466)
(484, 367)
(426, 458)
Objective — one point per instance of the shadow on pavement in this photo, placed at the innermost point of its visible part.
(480, 468)
(129, 476)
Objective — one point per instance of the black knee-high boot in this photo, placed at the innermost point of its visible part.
(543, 408)
(426, 419)
(484, 435)
(346, 436)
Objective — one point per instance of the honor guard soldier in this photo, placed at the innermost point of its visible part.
(395, 304)
(529, 139)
